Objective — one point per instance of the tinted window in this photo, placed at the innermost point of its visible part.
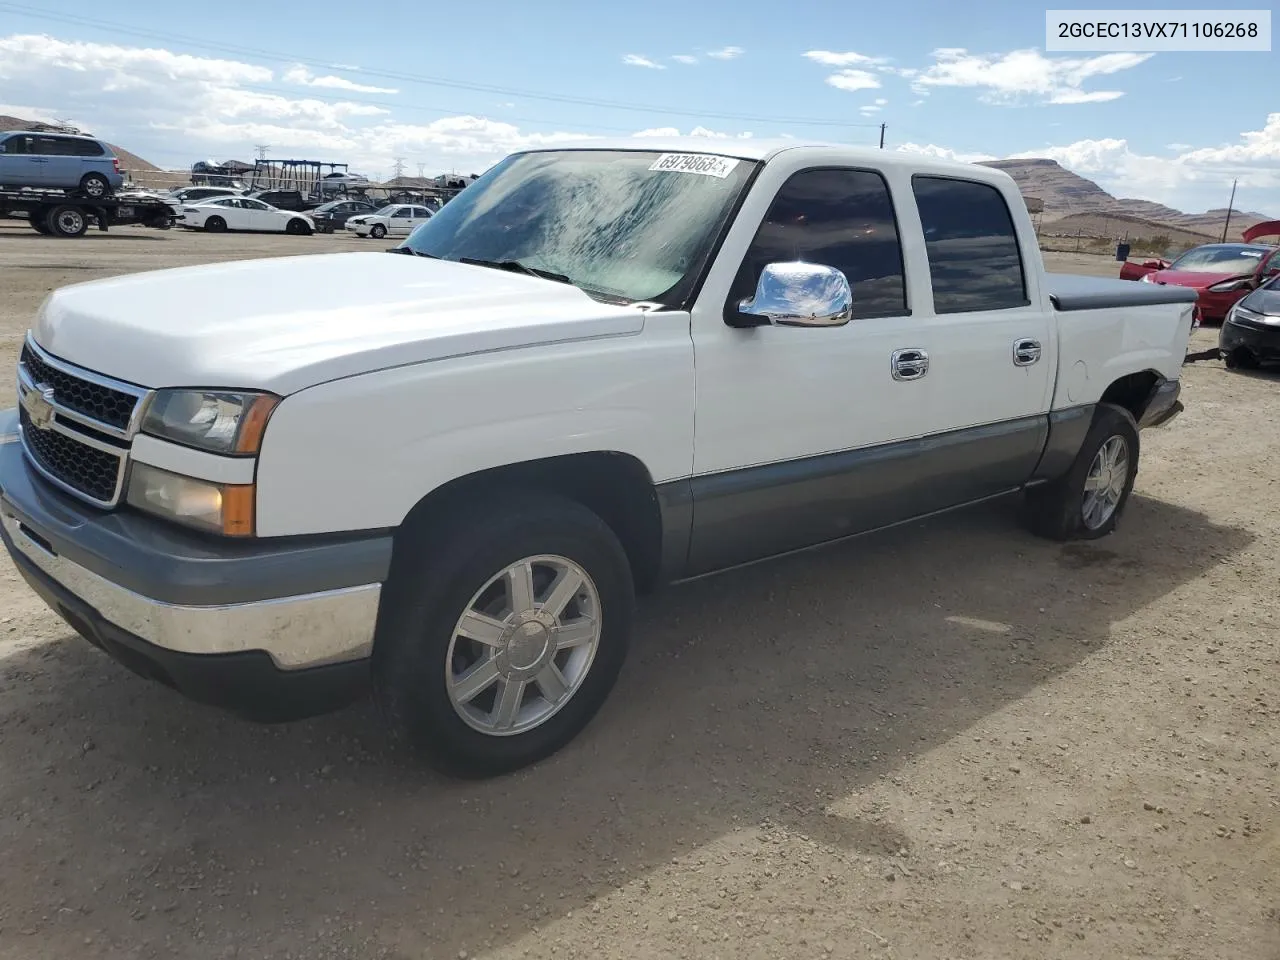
(83, 148)
(974, 260)
(51, 147)
(838, 218)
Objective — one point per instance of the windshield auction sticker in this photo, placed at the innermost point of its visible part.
(702, 163)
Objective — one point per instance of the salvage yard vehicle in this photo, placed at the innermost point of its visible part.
(54, 214)
(396, 220)
(243, 213)
(328, 217)
(59, 161)
(444, 472)
(1250, 334)
(1220, 273)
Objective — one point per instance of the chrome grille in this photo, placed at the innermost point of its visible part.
(77, 426)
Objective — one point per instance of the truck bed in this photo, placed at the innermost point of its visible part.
(1069, 292)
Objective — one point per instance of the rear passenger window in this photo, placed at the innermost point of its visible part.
(838, 218)
(86, 148)
(974, 260)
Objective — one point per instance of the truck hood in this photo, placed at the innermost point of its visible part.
(286, 323)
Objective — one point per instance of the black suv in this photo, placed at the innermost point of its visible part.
(334, 215)
(282, 199)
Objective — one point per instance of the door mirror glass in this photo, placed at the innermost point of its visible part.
(799, 294)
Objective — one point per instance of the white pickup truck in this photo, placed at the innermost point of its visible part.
(443, 472)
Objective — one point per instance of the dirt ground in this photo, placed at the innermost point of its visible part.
(949, 741)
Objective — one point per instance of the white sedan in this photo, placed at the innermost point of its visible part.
(243, 213)
(397, 220)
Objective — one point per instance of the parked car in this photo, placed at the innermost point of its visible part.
(283, 199)
(335, 214)
(337, 181)
(1220, 273)
(1250, 334)
(196, 194)
(59, 161)
(243, 213)
(396, 220)
(444, 472)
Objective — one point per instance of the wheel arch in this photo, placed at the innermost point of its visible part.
(615, 486)
(1133, 391)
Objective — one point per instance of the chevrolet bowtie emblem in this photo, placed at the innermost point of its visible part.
(38, 403)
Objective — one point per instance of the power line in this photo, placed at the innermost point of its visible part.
(276, 56)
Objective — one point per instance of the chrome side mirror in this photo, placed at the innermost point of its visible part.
(801, 294)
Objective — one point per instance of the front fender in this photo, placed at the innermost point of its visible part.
(360, 452)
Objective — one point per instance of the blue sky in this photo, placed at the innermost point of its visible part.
(329, 80)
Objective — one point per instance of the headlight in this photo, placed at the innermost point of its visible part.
(1226, 286)
(214, 507)
(214, 420)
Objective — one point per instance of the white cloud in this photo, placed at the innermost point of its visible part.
(117, 67)
(726, 53)
(869, 110)
(1178, 147)
(684, 58)
(916, 103)
(304, 77)
(695, 132)
(853, 80)
(942, 153)
(636, 60)
(1010, 77)
(881, 102)
(849, 59)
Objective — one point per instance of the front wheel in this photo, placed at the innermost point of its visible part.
(377, 231)
(502, 632)
(297, 227)
(1087, 501)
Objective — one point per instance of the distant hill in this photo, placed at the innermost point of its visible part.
(1066, 194)
(128, 161)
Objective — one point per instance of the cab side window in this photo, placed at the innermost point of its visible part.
(974, 260)
(837, 218)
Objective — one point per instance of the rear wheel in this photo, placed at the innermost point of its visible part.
(215, 225)
(377, 231)
(95, 186)
(66, 221)
(297, 227)
(503, 630)
(1087, 501)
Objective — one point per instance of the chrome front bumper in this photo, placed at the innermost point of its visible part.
(298, 631)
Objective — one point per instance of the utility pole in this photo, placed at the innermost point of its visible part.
(398, 168)
(422, 168)
(1230, 203)
(882, 126)
(262, 149)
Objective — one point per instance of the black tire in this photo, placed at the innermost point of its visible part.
(1241, 358)
(297, 227)
(377, 231)
(1056, 510)
(215, 225)
(95, 186)
(437, 571)
(66, 220)
(37, 221)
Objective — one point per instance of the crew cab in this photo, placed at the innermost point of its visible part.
(444, 472)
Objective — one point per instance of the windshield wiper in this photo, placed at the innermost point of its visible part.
(515, 266)
(412, 252)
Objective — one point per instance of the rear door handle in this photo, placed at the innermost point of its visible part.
(1025, 352)
(909, 363)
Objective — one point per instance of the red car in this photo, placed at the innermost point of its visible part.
(1221, 273)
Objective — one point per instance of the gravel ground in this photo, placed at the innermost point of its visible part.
(953, 740)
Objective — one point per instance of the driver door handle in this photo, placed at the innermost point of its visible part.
(1025, 352)
(909, 363)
